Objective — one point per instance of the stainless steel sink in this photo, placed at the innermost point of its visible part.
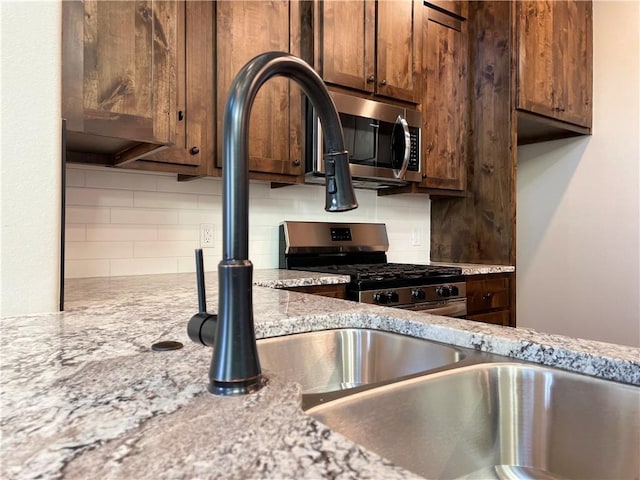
(335, 360)
(497, 420)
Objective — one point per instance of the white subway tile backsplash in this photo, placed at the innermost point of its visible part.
(119, 232)
(99, 197)
(179, 232)
(196, 217)
(132, 181)
(162, 249)
(74, 177)
(211, 258)
(96, 250)
(158, 230)
(143, 266)
(75, 232)
(86, 268)
(260, 189)
(144, 216)
(87, 214)
(205, 186)
(210, 202)
(164, 200)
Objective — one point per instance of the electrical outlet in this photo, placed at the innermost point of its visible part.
(416, 237)
(206, 235)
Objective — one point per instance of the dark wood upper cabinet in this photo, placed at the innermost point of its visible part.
(245, 29)
(371, 46)
(445, 98)
(195, 107)
(555, 64)
(118, 78)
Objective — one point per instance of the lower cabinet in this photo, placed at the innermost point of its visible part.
(489, 299)
(333, 291)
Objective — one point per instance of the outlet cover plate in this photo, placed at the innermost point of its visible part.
(206, 235)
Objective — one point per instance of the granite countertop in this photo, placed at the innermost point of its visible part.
(477, 268)
(84, 396)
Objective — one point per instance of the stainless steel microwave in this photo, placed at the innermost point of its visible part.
(383, 142)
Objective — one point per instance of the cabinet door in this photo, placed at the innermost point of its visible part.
(555, 63)
(487, 294)
(445, 105)
(117, 71)
(245, 29)
(346, 37)
(194, 146)
(398, 39)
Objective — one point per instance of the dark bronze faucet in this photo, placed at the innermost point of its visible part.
(235, 367)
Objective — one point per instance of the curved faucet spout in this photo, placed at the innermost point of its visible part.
(235, 367)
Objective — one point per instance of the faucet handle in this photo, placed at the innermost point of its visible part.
(202, 326)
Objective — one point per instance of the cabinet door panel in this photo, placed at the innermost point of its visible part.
(126, 65)
(536, 70)
(555, 59)
(490, 293)
(347, 37)
(573, 27)
(445, 102)
(194, 146)
(244, 30)
(397, 45)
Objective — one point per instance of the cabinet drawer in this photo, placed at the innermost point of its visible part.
(487, 294)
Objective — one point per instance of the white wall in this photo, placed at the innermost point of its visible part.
(578, 241)
(30, 164)
(128, 223)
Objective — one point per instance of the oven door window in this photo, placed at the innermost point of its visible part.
(375, 143)
(361, 139)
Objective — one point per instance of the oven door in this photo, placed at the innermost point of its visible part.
(448, 308)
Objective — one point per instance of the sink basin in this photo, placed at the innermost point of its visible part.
(497, 420)
(335, 360)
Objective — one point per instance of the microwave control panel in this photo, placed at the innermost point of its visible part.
(414, 155)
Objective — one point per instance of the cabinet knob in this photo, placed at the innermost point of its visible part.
(383, 83)
(297, 162)
(487, 296)
(194, 150)
(370, 79)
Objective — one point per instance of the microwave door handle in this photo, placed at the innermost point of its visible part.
(400, 121)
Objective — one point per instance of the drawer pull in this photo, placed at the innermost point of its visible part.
(487, 296)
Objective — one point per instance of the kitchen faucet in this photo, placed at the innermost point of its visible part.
(235, 367)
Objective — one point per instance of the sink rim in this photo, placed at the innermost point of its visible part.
(462, 368)
(310, 399)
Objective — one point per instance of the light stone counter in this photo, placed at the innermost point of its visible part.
(477, 268)
(83, 396)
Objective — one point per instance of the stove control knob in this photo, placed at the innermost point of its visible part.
(380, 297)
(418, 294)
(454, 291)
(443, 291)
(393, 297)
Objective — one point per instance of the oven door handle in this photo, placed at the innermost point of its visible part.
(451, 308)
(406, 137)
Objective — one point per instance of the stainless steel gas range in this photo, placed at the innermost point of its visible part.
(359, 250)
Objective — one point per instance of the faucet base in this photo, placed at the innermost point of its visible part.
(243, 387)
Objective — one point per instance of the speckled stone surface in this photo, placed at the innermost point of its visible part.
(84, 396)
(291, 278)
(479, 269)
